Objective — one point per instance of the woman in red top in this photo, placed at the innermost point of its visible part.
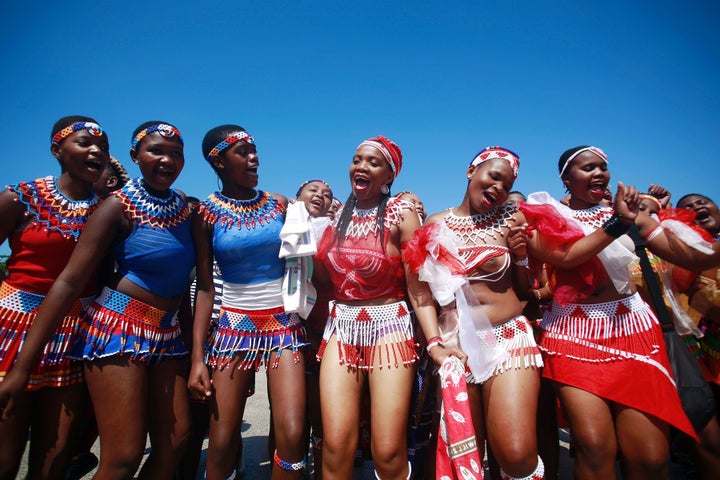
(368, 337)
(42, 220)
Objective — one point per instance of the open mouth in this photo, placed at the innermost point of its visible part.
(94, 165)
(488, 198)
(361, 183)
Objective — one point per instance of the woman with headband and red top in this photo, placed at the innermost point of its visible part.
(485, 260)
(43, 220)
(369, 337)
(602, 344)
(240, 228)
(130, 339)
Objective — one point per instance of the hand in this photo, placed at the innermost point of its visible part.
(199, 381)
(517, 241)
(11, 389)
(627, 202)
(440, 352)
(661, 193)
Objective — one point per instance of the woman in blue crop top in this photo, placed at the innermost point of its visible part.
(240, 228)
(130, 338)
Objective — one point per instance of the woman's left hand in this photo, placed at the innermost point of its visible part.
(517, 242)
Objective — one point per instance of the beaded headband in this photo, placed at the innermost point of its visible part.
(167, 131)
(389, 150)
(311, 181)
(500, 153)
(93, 128)
(651, 198)
(234, 138)
(594, 150)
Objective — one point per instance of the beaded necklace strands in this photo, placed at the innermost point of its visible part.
(261, 209)
(594, 216)
(476, 228)
(147, 209)
(53, 210)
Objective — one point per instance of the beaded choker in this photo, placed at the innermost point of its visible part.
(54, 210)
(229, 211)
(147, 209)
(594, 216)
(476, 228)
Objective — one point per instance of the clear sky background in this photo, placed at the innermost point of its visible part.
(310, 80)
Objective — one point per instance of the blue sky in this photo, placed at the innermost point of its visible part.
(311, 80)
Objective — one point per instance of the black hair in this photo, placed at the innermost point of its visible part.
(516, 192)
(145, 125)
(119, 172)
(567, 154)
(217, 135)
(69, 120)
(685, 197)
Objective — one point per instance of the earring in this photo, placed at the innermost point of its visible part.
(385, 189)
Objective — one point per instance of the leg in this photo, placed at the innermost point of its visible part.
(340, 390)
(286, 383)
(593, 431)
(390, 391)
(547, 429)
(199, 421)
(510, 401)
(312, 384)
(55, 429)
(118, 388)
(230, 388)
(708, 450)
(643, 442)
(13, 437)
(169, 418)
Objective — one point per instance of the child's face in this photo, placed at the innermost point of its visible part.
(317, 198)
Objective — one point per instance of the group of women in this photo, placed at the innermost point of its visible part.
(94, 301)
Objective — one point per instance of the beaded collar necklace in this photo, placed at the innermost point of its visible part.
(594, 216)
(53, 210)
(147, 209)
(261, 209)
(363, 223)
(475, 228)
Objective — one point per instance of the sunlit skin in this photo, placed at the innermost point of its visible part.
(587, 180)
(369, 171)
(335, 207)
(240, 164)
(83, 157)
(489, 185)
(515, 198)
(317, 197)
(707, 213)
(160, 160)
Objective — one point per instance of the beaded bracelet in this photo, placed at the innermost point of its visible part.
(291, 467)
(434, 341)
(615, 227)
(653, 233)
(521, 263)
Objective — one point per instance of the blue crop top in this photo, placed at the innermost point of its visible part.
(159, 254)
(246, 236)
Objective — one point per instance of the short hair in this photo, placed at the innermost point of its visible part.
(217, 135)
(685, 197)
(67, 121)
(567, 154)
(145, 125)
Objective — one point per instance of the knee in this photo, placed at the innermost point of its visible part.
(595, 452)
(124, 460)
(517, 460)
(390, 459)
(290, 433)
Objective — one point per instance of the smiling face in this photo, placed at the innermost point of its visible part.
(489, 185)
(238, 167)
(706, 211)
(369, 171)
(317, 198)
(586, 179)
(160, 160)
(82, 155)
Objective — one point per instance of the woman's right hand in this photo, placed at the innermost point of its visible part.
(439, 353)
(627, 202)
(199, 381)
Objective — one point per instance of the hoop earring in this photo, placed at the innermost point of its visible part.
(385, 189)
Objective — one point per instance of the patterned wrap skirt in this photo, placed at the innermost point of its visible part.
(614, 350)
(117, 324)
(371, 335)
(515, 337)
(17, 313)
(255, 334)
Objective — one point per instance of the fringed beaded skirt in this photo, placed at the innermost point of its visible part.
(517, 339)
(17, 313)
(379, 335)
(254, 334)
(614, 350)
(117, 324)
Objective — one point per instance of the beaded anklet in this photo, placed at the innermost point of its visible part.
(290, 467)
